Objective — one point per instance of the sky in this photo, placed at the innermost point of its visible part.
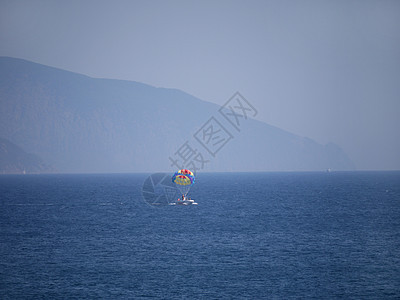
(327, 70)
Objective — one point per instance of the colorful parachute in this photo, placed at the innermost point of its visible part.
(186, 172)
(183, 179)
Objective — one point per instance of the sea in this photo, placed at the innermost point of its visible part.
(289, 235)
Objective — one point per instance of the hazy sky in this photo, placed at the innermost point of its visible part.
(328, 70)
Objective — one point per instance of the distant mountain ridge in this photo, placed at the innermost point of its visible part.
(14, 160)
(82, 124)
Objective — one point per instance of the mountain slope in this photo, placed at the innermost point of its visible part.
(15, 160)
(81, 124)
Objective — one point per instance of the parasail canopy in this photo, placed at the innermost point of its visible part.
(183, 180)
(185, 172)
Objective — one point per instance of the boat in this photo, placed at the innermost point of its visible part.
(185, 201)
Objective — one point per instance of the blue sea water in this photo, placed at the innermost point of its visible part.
(252, 236)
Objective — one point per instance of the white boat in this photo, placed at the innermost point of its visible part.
(185, 201)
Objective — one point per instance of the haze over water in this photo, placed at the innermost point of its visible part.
(327, 70)
(320, 73)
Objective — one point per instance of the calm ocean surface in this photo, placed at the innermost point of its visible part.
(252, 236)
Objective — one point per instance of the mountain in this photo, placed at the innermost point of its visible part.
(16, 161)
(81, 124)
